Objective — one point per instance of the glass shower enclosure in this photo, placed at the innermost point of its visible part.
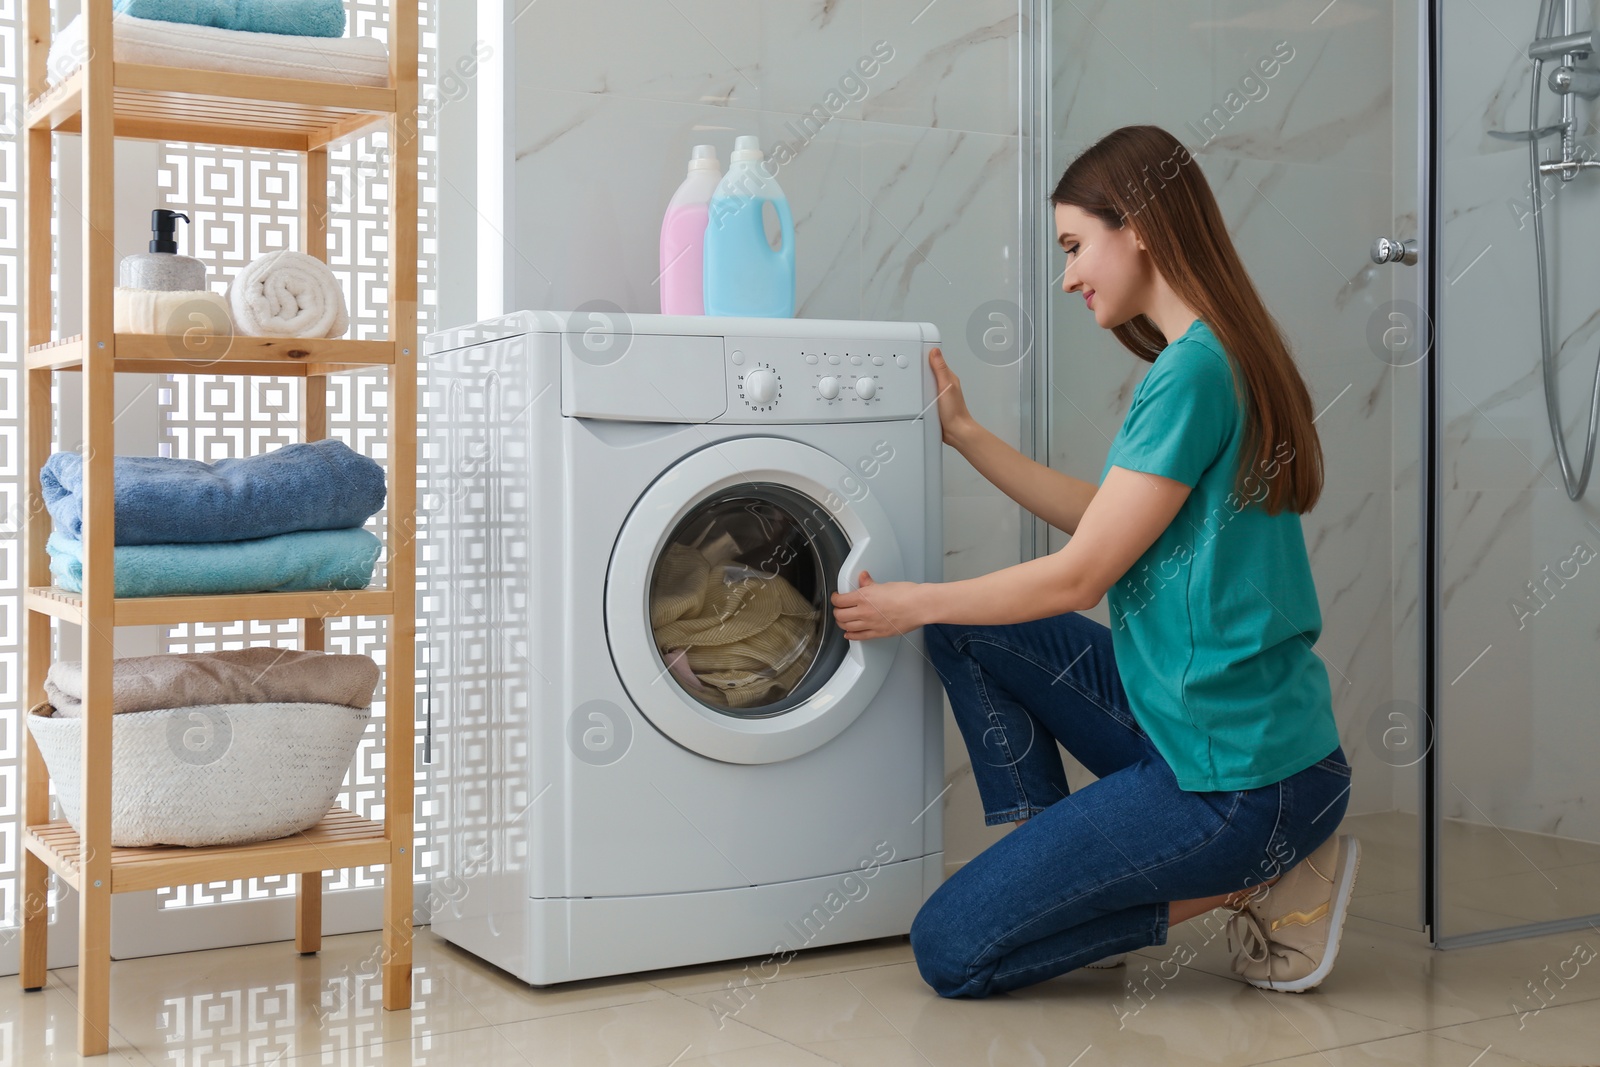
(1371, 161)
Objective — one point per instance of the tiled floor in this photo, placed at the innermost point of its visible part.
(1391, 1000)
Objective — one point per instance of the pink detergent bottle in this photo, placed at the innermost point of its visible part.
(683, 236)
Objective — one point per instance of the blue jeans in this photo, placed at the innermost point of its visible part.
(1092, 872)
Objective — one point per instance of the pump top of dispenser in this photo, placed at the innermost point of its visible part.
(164, 229)
(162, 268)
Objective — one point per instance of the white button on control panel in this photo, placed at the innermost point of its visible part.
(866, 388)
(829, 388)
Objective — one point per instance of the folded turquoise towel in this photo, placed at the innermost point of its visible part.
(320, 559)
(303, 18)
(311, 485)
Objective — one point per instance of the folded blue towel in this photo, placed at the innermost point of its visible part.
(321, 559)
(304, 18)
(318, 485)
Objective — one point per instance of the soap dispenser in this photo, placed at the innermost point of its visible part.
(162, 268)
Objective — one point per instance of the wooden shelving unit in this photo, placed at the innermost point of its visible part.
(101, 101)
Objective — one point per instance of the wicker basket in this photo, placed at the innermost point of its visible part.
(210, 774)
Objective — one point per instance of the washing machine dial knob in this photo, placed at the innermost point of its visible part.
(866, 388)
(761, 386)
(829, 388)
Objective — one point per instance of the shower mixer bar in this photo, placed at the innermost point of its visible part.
(1572, 44)
(1567, 82)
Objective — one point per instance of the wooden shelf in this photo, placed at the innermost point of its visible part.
(101, 101)
(170, 610)
(157, 103)
(286, 357)
(341, 839)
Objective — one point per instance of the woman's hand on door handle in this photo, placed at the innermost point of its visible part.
(879, 609)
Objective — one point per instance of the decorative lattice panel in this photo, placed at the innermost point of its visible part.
(245, 203)
(11, 562)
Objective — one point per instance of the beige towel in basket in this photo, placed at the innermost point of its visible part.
(259, 675)
(748, 636)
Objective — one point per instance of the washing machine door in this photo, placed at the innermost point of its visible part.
(718, 599)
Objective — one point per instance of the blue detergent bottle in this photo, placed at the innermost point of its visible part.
(744, 274)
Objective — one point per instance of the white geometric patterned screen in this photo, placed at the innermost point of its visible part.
(243, 203)
(11, 562)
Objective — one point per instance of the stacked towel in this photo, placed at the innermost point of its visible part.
(342, 60)
(297, 562)
(308, 18)
(259, 675)
(288, 294)
(316, 485)
(286, 520)
(191, 312)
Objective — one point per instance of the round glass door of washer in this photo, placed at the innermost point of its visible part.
(718, 605)
(739, 600)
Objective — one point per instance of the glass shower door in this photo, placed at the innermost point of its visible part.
(1305, 121)
(1518, 632)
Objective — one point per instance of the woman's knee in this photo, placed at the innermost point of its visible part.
(940, 955)
(939, 639)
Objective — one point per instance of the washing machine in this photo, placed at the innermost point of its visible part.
(648, 744)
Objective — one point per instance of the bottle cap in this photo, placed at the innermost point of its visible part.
(704, 157)
(747, 149)
(163, 226)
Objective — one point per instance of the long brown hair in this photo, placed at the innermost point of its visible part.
(1144, 175)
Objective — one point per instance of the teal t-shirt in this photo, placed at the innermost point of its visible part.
(1213, 625)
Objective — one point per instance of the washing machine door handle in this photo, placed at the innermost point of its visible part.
(866, 663)
(868, 555)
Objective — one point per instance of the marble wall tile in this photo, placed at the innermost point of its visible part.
(1329, 99)
(955, 66)
(903, 187)
(1120, 62)
(1345, 533)
(688, 51)
(584, 231)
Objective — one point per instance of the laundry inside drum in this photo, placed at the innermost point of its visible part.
(740, 600)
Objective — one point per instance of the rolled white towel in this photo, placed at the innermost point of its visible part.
(188, 312)
(288, 294)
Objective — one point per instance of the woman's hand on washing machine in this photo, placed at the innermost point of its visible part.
(955, 421)
(879, 609)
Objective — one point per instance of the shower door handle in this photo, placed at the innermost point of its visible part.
(1394, 250)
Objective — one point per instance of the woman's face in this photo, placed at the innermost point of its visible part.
(1108, 266)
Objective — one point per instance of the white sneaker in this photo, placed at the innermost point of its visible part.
(1109, 962)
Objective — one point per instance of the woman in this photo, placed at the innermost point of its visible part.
(1203, 710)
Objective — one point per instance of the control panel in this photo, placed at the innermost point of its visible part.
(686, 369)
(787, 380)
